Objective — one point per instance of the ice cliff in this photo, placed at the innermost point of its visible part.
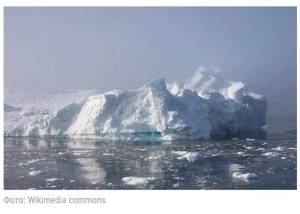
(206, 106)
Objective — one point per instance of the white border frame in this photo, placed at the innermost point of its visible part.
(155, 201)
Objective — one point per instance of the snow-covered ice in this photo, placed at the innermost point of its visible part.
(205, 106)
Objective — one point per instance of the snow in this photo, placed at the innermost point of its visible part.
(137, 181)
(199, 108)
(244, 176)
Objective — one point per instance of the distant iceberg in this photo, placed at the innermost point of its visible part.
(206, 106)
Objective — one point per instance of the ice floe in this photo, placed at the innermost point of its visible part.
(52, 179)
(244, 176)
(270, 154)
(248, 147)
(189, 156)
(279, 148)
(137, 181)
(32, 162)
(35, 173)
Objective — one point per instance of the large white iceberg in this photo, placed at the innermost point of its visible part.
(205, 107)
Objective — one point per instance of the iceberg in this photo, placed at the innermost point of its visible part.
(207, 106)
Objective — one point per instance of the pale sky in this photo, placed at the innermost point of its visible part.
(123, 48)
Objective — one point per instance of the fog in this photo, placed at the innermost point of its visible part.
(122, 48)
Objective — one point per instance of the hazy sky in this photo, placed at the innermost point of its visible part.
(122, 48)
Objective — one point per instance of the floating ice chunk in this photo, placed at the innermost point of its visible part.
(31, 162)
(270, 154)
(279, 148)
(189, 156)
(250, 139)
(110, 185)
(176, 185)
(153, 157)
(107, 154)
(52, 179)
(240, 153)
(181, 153)
(248, 147)
(138, 149)
(35, 172)
(137, 181)
(35, 160)
(244, 176)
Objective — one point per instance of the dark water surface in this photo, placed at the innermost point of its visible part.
(91, 164)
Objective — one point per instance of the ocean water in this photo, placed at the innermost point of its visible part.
(90, 164)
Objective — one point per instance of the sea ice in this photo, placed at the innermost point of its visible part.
(137, 181)
(279, 148)
(52, 179)
(35, 160)
(244, 176)
(189, 156)
(248, 147)
(270, 154)
(35, 172)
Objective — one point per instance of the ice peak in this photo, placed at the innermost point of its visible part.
(159, 84)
